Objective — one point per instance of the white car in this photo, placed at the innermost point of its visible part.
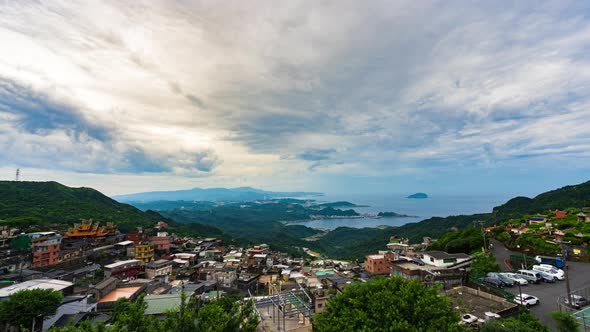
(550, 270)
(516, 278)
(526, 300)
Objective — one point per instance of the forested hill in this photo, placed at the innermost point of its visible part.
(41, 203)
(347, 242)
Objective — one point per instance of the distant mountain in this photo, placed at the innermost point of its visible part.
(241, 194)
(39, 203)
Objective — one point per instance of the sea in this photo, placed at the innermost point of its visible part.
(433, 206)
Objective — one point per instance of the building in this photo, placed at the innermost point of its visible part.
(161, 242)
(107, 303)
(377, 264)
(144, 252)
(158, 268)
(443, 259)
(559, 214)
(64, 287)
(128, 269)
(90, 229)
(537, 220)
(45, 248)
(159, 305)
(70, 306)
(103, 288)
(582, 217)
(137, 237)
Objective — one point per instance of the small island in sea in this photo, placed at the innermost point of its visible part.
(418, 196)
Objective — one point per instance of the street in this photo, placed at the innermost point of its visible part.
(547, 293)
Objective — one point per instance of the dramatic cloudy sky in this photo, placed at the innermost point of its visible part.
(336, 96)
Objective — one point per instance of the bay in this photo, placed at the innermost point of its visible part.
(442, 205)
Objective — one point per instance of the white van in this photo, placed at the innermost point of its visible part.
(552, 271)
(531, 276)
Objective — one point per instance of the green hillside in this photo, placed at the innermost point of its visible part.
(42, 203)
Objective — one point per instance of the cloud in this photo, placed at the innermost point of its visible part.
(293, 89)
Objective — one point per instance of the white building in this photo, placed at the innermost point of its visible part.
(442, 259)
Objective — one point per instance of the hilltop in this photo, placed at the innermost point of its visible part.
(29, 203)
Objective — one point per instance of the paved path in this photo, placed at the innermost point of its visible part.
(547, 293)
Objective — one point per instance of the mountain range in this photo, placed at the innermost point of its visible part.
(240, 194)
(47, 203)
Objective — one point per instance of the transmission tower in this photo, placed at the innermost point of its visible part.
(16, 178)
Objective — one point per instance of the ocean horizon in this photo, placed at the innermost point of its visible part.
(439, 205)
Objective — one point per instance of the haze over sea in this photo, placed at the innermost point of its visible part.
(439, 205)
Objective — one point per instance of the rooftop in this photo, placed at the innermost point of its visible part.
(159, 304)
(57, 285)
(122, 263)
(119, 293)
(159, 263)
(444, 255)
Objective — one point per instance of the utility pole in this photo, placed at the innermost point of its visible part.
(567, 276)
(567, 285)
(483, 234)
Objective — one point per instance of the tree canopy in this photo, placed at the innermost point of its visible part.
(23, 306)
(482, 264)
(525, 322)
(388, 304)
(227, 314)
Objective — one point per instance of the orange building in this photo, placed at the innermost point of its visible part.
(45, 249)
(90, 229)
(377, 264)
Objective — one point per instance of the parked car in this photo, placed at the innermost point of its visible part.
(530, 276)
(493, 281)
(526, 300)
(578, 301)
(518, 280)
(546, 277)
(507, 281)
(557, 274)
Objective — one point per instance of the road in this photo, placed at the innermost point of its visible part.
(547, 293)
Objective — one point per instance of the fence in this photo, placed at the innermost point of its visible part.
(579, 298)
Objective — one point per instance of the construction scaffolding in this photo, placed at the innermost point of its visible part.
(286, 305)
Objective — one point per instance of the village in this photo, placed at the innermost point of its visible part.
(94, 265)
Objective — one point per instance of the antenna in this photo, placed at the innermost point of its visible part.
(17, 174)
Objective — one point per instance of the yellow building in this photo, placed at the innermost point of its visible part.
(144, 252)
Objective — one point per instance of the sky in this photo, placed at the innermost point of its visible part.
(333, 96)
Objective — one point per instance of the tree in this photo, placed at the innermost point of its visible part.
(388, 304)
(227, 314)
(565, 322)
(525, 322)
(25, 306)
(482, 264)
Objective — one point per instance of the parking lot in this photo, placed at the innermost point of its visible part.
(548, 293)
